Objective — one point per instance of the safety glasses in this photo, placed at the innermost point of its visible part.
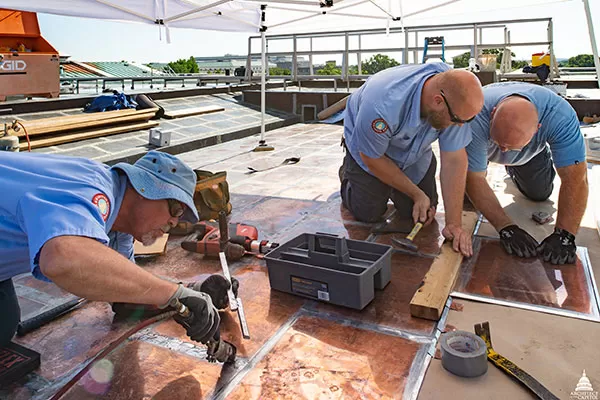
(453, 116)
(176, 209)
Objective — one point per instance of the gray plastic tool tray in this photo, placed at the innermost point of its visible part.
(330, 268)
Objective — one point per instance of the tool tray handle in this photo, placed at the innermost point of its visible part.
(317, 244)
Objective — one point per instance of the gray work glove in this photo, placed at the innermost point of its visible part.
(203, 324)
(216, 286)
(517, 241)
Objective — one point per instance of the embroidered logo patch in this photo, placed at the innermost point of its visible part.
(379, 125)
(103, 204)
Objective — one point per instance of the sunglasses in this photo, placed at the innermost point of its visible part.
(453, 116)
(176, 209)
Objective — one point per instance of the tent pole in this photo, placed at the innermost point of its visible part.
(262, 144)
(590, 24)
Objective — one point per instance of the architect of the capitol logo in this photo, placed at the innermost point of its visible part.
(584, 390)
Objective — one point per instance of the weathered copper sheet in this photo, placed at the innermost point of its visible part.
(390, 307)
(493, 273)
(139, 370)
(317, 358)
(429, 240)
(68, 341)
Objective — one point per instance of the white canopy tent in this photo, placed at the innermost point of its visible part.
(248, 16)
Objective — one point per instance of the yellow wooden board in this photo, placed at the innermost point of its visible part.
(74, 137)
(430, 299)
(159, 247)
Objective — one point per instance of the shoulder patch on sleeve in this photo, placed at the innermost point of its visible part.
(103, 204)
(379, 126)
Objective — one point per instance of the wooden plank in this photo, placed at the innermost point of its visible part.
(53, 141)
(159, 247)
(334, 108)
(92, 121)
(67, 119)
(186, 112)
(429, 300)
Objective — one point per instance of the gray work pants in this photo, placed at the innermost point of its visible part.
(366, 197)
(10, 313)
(535, 179)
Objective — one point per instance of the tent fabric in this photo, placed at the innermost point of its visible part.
(217, 15)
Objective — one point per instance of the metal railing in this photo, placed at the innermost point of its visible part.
(101, 82)
(475, 47)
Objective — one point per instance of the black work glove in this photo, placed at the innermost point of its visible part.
(216, 286)
(203, 324)
(518, 242)
(559, 247)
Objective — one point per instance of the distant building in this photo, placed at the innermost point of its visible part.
(285, 62)
(227, 64)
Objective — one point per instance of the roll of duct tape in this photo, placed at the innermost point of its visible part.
(464, 354)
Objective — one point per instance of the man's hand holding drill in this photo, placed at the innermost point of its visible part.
(203, 323)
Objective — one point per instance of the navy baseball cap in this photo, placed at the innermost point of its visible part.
(160, 176)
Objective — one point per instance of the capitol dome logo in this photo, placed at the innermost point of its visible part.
(584, 389)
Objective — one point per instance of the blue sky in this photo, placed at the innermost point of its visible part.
(97, 40)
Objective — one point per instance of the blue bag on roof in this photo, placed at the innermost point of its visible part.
(115, 101)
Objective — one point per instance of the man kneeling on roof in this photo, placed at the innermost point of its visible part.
(72, 221)
(531, 130)
(390, 123)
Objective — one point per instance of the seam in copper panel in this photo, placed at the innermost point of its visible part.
(523, 306)
(416, 375)
(258, 356)
(421, 339)
(585, 260)
(170, 343)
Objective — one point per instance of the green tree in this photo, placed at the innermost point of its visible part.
(279, 71)
(581, 60)
(461, 61)
(377, 63)
(183, 66)
(330, 69)
(353, 70)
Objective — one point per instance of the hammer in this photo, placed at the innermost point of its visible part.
(408, 241)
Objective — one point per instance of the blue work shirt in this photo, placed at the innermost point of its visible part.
(383, 117)
(560, 129)
(45, 196)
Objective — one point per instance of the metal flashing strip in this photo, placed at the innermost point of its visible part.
(416, 374)
(413, 337)
(524, 306)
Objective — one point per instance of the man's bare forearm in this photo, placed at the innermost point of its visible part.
(572, 197)
(484, 199)
(453, 174)
(87, 268)
(389, 173)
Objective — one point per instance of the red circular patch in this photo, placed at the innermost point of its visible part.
(101, 201)
(379, 126)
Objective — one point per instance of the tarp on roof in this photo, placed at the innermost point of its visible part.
(219, 15)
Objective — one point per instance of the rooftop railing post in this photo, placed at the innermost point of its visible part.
(295, 58)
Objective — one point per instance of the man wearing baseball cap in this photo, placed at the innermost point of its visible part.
(72, 221)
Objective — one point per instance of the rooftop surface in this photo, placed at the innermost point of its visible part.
(301, 348)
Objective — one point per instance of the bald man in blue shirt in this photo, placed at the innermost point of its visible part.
(531, 130)
(389, 125)
(72, 221)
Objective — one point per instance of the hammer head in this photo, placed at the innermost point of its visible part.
(407, 244)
